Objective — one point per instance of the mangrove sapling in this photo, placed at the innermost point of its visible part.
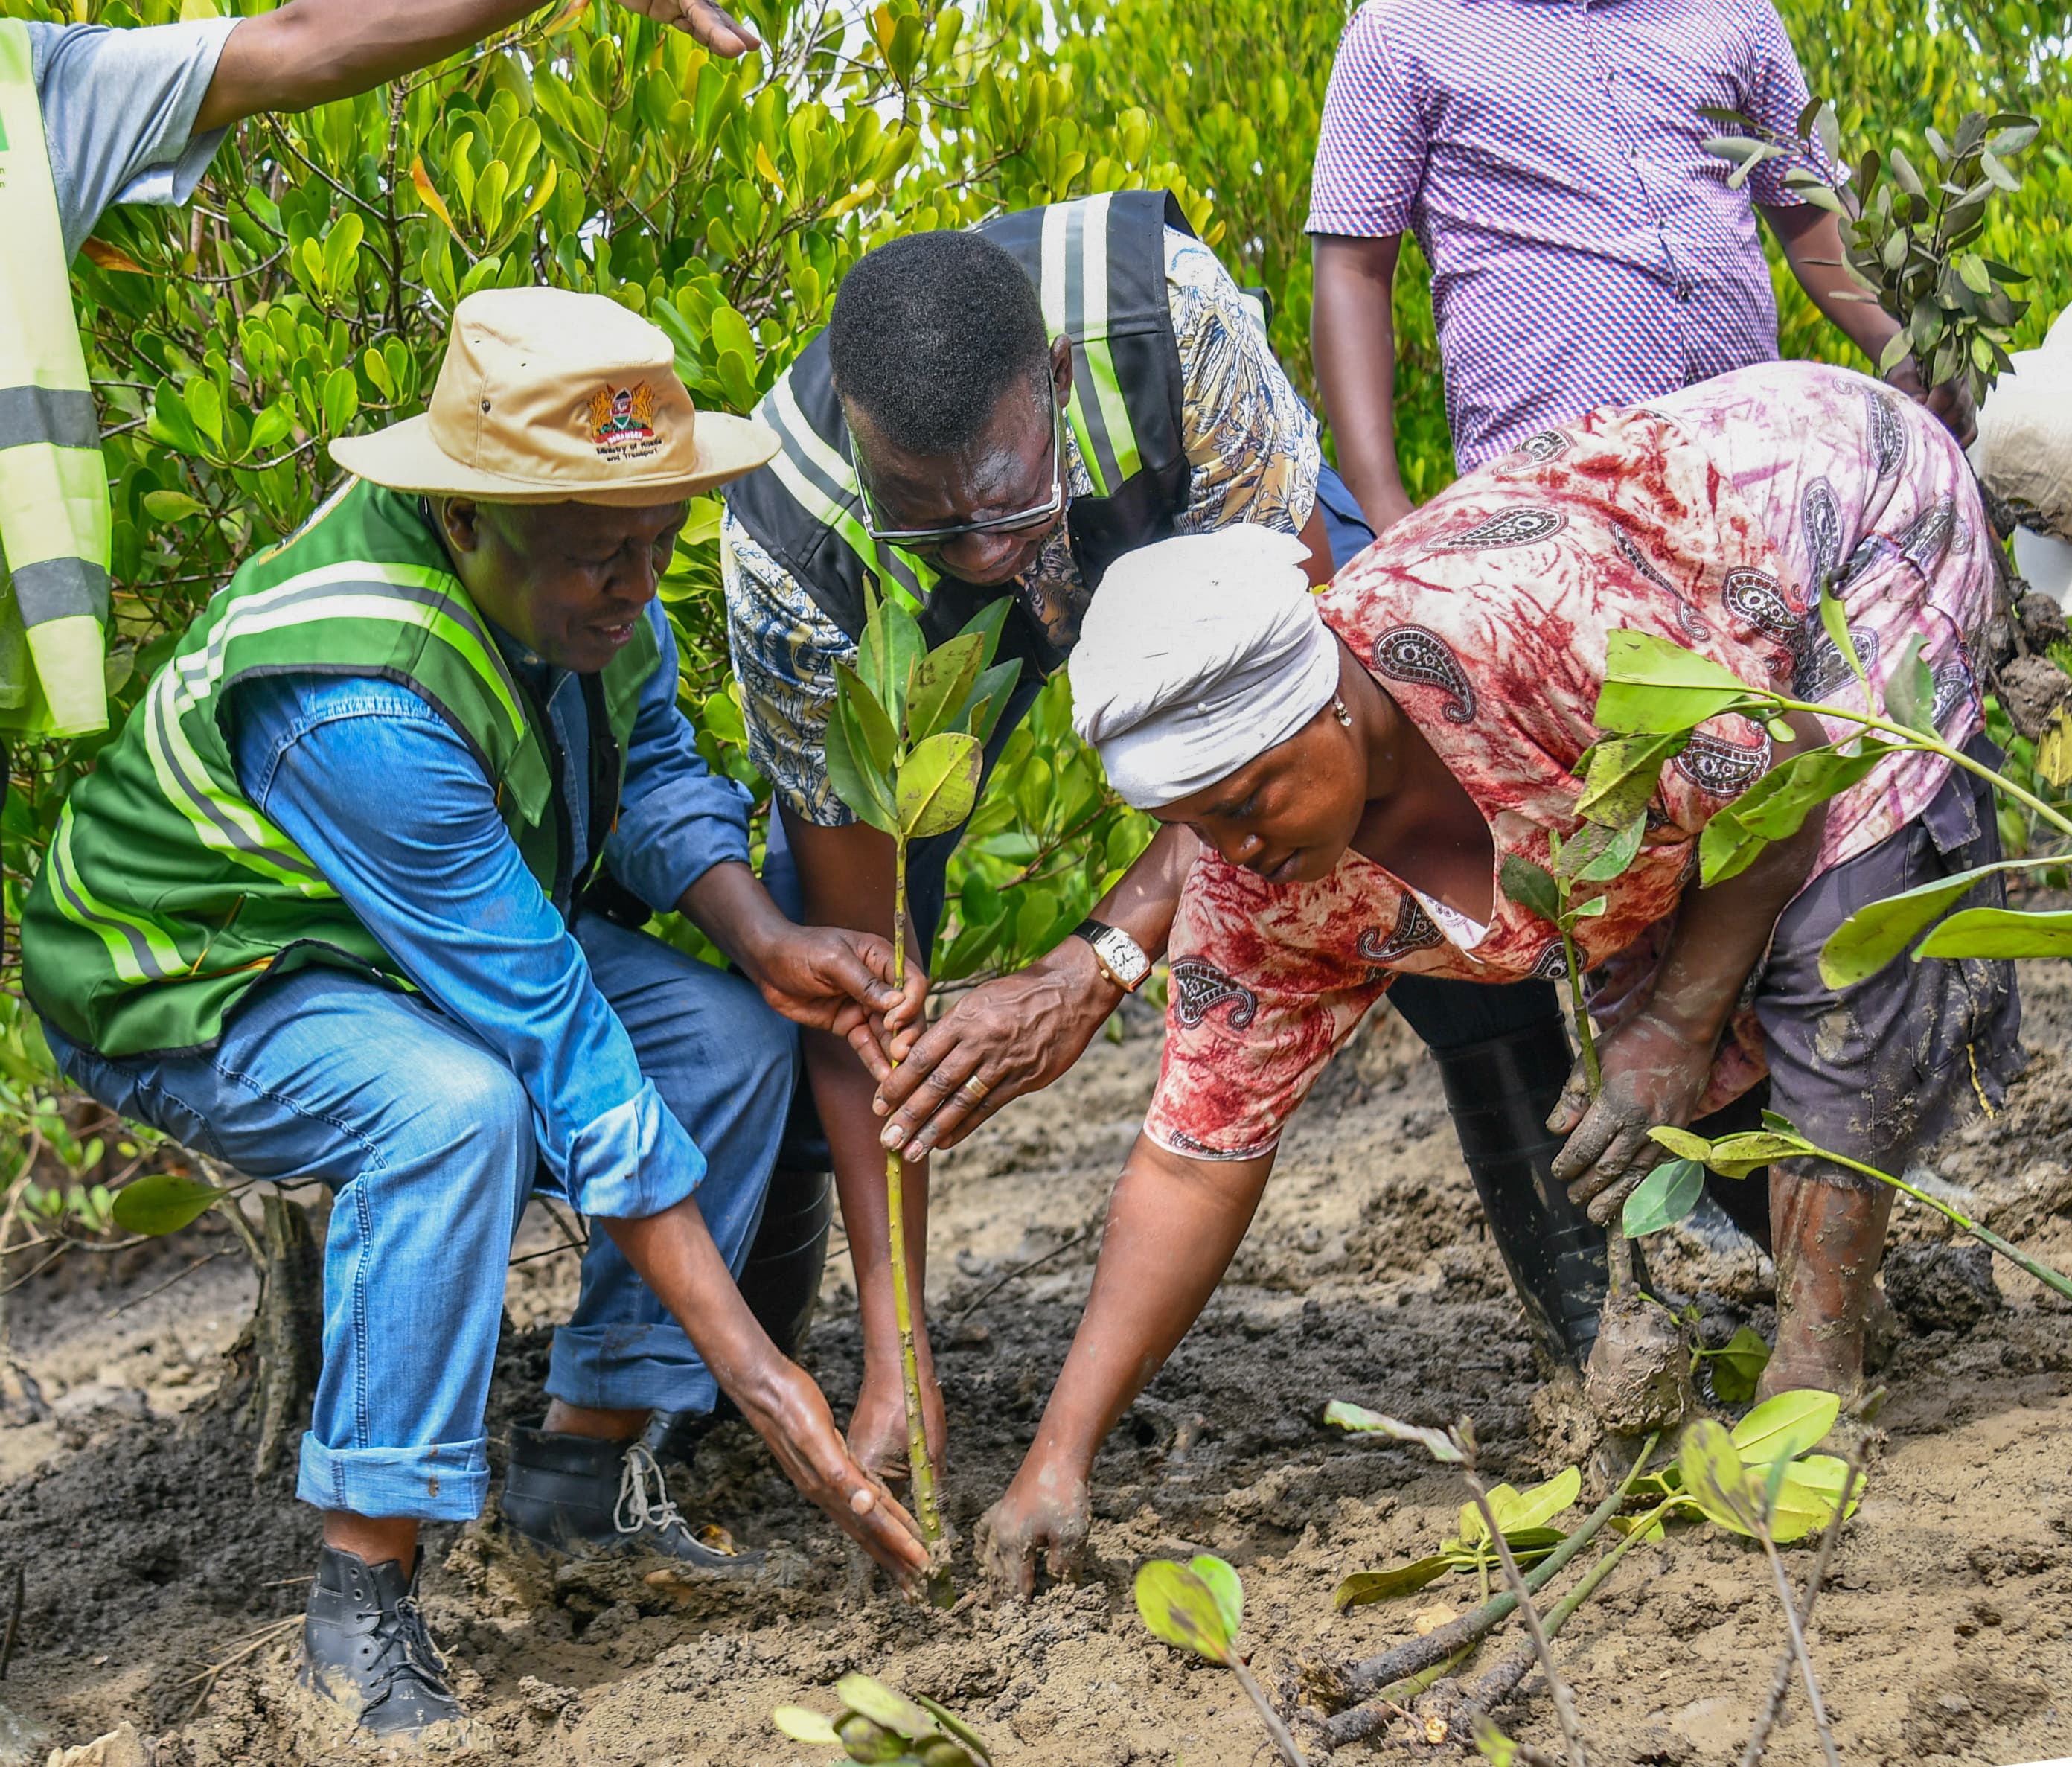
(1736, 1155)
(1716, 1479)
(1198, 1606)
(1639, 1373)
(875, 1724)
(1780, 1685)
(1522, 1515)
(1459, 1447)
(904, 751)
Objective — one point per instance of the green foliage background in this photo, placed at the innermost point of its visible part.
(304, 294)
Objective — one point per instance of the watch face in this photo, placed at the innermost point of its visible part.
(1125, 957)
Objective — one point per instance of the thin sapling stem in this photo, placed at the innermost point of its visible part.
(1565, 1701)
(1283, 1743)
(1793, 1632)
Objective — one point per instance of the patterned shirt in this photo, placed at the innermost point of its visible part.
(1252, 456)
(1706, 519)
(1584, 248)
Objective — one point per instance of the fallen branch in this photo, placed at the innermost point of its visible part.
(1565, 1701)
(1363, 1680)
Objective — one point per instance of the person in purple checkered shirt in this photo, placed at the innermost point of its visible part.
(1585, 249)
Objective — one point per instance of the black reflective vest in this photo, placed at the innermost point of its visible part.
(1098, 263)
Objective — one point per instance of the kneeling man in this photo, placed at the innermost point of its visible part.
(320, 912)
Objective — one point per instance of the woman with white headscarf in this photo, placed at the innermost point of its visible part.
(1359, 766)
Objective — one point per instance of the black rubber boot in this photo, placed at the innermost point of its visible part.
(578, 1494)
(365, 1648)
(1500, 1093)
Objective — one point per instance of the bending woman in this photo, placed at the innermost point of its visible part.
(1358, 766)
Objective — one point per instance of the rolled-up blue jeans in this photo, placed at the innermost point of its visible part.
(425, 1136)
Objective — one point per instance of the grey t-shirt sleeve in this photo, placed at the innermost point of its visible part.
(119, 108)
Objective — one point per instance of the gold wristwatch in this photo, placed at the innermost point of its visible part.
(1122, 959)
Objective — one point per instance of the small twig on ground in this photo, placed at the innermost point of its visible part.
(984, 1295)
(1780, 1683)
(1283, 1743)
(258, 1641)
(1797, 1637)
(1565, 1701)
(139, 1300)
(14, 1618)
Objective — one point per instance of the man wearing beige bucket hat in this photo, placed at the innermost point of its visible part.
(329, 908)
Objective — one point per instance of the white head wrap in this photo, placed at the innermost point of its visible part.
(1199, 653)
(2024, 454)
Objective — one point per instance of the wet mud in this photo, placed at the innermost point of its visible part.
(162, 1587)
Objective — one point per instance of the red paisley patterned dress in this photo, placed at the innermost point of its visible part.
(1706, 518)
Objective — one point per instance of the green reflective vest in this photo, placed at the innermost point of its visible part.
(1099, 264)
(54, 518)
(166, 893)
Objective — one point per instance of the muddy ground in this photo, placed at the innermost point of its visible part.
(1946, 1635)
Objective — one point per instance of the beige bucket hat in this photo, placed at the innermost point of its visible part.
(547, 396)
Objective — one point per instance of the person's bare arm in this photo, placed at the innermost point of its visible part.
(674, 1254)
(1173, 1228)
(1655, 1066)
(1020, 1032)
(1812, 239)
(1352, 330)
(311, 51)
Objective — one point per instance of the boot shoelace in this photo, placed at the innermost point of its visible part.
(401, 1636)
(638, 1507)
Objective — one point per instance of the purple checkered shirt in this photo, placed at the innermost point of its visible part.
(1584, 248)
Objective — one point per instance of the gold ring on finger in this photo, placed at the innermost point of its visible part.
(975, 1089)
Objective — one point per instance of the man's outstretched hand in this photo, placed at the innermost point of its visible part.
(834, 980)
(718, 31)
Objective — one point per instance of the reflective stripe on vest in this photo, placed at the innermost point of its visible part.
(54, 515)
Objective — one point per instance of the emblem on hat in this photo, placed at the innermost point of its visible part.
(622, 422)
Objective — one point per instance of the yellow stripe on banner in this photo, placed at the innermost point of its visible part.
(67, 653)
(54, 504)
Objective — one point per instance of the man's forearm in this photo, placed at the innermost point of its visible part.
(311, 52)
(1353, 333)
(729, 905)
(1812, 242)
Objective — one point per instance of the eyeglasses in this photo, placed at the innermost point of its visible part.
(924, 539)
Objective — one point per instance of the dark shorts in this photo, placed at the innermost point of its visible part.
(1880, 1070)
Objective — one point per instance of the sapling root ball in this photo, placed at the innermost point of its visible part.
(1639, 1376)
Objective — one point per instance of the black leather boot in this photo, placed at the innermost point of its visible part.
(365, 1648)
(578, 1494)
(1500, 1093)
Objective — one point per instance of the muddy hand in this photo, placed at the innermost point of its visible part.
(878, 1426)
(1653, 1076)
(794, 1420)
(1045, 1515)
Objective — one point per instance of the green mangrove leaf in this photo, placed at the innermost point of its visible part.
(885, 655)
(1736, 1155)
(986, 625)
(1777, 805)
(883, 1706)
(1738, 1366)
(940, 684)
(1363, 1587)
(163, 1202)
(1808, 1495)
(1535, 1506)
(981, 710)
(880, 744)
(2000, 932)
(953, 1726)
(864, 1740)
(1715, 1479)
(1782, 1429)
(939, 785)
(1437, 1443)
(1653, 687)
(1222, 1580)
(1183, 1610)
(855, 785)
(1682, 1142)
(1909, 690)
(1835, 621)
(1532, 887)
(1495, 1748)
(803, 1725)
(1621, 775)
(1664, 1197)
(1599, 860)
(1878, 933)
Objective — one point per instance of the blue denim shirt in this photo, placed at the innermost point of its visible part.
(382, 793)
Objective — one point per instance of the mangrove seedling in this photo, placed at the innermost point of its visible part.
(1198, 1606)
(1639, 1373)
(1522, 1515)
(905, 751)
(877, 1724)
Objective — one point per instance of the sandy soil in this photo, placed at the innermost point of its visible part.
(1946, 1635)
